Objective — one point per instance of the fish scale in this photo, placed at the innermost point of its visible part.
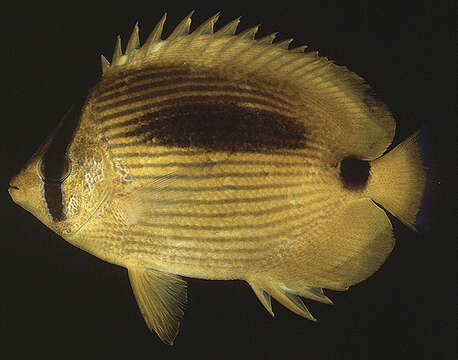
(132, 92)
(192, 233)
(218, 155)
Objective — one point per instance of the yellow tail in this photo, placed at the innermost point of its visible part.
(397, 180)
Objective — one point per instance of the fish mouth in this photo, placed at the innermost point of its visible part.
(17, 194)
(13, 189)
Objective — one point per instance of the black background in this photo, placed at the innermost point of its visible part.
(58, 302)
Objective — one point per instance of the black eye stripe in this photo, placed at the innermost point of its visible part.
(65, 131)
(55, 166)
(54, 200)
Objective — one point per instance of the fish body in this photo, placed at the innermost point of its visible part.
(218, 156)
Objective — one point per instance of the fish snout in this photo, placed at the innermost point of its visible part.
(15, 192)
(24, 187)
(12, 188)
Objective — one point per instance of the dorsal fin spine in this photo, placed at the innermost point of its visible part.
(206, 28)
(229, 29)
(134, 51)
(105, 64)
(134, 42)
(299, 49)
(117, 53)
(182, 29)
(156, 34)
(284, 44)
(153, 39)
(268, 39)
(249, 33)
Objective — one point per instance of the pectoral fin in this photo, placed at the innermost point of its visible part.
(135, 206)
(161, 298)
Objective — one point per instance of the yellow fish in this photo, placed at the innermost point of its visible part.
(216, 155)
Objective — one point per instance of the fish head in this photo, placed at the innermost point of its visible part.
(67, 179)
(25, 191)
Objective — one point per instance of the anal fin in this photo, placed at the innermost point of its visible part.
(263, 297)
(313, 293)
(290, 300)
(161, 298)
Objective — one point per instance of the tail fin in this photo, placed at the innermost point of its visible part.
(397, 180)
(430, 141)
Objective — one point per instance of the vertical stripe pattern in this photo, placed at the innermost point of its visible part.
(55, 165)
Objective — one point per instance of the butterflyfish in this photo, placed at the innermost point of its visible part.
(219, 155)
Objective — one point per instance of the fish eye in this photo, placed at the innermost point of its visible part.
(54, 168)
(354, 173)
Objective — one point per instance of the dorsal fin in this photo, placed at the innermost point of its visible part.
(369, 126)
(105, 64)
(134, 42)
(268, 39)
(206, 28)
(155, 35)
(229, 29)
(299, 49)
(182, 29)
(249, 33)
(153, 39)
(284, 44)
(117, 53)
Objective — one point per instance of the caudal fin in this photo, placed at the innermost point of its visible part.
(397, 180)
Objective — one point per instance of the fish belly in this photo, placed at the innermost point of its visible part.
(222, 215)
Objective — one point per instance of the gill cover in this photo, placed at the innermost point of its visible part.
(73, 173)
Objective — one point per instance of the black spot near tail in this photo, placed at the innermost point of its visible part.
(354, 173)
